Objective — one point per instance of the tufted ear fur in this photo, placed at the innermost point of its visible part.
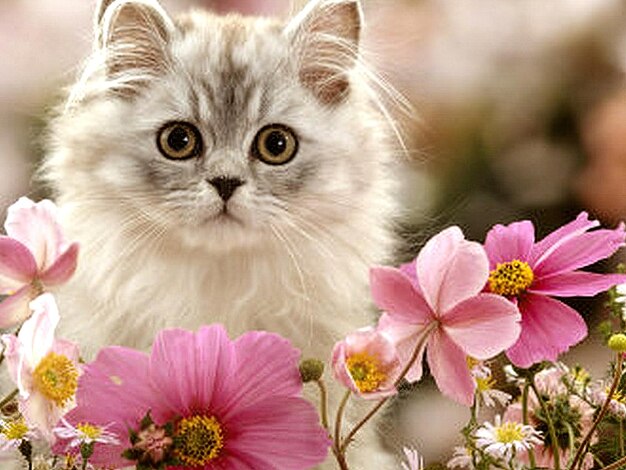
(134, 35)
(326, 36)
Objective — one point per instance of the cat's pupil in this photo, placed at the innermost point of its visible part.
(178, 139)
(276, 143)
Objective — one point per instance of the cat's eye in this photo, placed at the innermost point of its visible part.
(179, 140)
(275, 144)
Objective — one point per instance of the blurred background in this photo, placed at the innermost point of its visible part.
(519, 112)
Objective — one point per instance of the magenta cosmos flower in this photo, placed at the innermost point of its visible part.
(201, 401)
(529, 273)
(367, 363)
(439, 295)
(44, 369)
(34, 255)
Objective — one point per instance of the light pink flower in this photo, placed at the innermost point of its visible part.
(440, 294)
(44, 369)
(367, 363)
(34, 255)
(241, 399)
(530, 273)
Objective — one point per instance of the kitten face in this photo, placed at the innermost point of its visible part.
(231, 133)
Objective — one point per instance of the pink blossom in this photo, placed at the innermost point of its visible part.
(367, 363)
(530, 273)
(33, 256)
(240, 399)
(439, 294)
(44, 369)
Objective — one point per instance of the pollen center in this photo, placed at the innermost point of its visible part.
(13, 430)
(198, 440)
(56, 378)
(509, 432)
(89, 430)
(365, 371)
(511, 278)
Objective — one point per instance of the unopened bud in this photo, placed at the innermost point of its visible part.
(617, 342)
(311, 369)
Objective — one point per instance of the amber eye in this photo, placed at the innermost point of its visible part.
(275, 144)
(179, 141)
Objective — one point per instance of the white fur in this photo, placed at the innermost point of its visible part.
(296, 265)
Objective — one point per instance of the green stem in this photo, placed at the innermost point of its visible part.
(323, 403)
(531, 451)
(615, 465)
(338, 420)
(551, 429)
(621, 437)
(603, 410)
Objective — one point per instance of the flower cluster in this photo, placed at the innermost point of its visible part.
(200, 400)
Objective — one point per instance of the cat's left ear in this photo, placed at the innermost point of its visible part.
(326, 38)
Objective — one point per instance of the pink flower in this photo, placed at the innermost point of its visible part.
(529, 273)
(367, 363)
(34, 255)
(45, 370)
(439, 295)
(203, 401)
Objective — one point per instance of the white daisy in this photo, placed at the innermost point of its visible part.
(414, 460)
(505, 440)
(461, 457)
(84, 433)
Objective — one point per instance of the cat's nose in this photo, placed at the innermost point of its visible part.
(225, 186)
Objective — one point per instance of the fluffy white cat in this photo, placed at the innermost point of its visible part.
(223, 169)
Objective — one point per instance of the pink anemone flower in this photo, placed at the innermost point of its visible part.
(439, 295)
(33, 256)
(202, 401)
(44, 369)
(530, 273)
(367, 363)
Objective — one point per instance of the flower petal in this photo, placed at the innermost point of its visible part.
(12, 355)
(259, 378)
(17, 265)
(14, 309)
(405, 339)
(41, 413)
(510, 242)
(36, 226)
(549, 328)
(448, 365)
(576, 283)
(37, 333)
(451, 269)
(394, 293)
(580, 225)
(280, 432)
(63, 267)
(483, 326)
(189, 368)
(579, 251)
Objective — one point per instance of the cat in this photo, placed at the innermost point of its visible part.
(224, 169)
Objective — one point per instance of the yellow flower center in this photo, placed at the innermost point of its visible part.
(365, 371)
(89, 431)
(198, 440)
(509, 432)
(485, 383)
(56, 378)
(511, 278)
(617, 395)
(14, 430)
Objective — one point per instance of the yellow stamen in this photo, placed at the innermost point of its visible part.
(89, 431)
(56, 378)
(509, 432)
(485, 383)
(366, 372)
(14, 430)
(198, 440)
(511, 278)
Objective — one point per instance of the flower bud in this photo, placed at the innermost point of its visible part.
(617, 342)
(311, 370)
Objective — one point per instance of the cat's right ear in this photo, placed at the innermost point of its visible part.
(134, 35)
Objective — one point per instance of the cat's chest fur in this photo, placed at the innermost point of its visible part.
(310, 290)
